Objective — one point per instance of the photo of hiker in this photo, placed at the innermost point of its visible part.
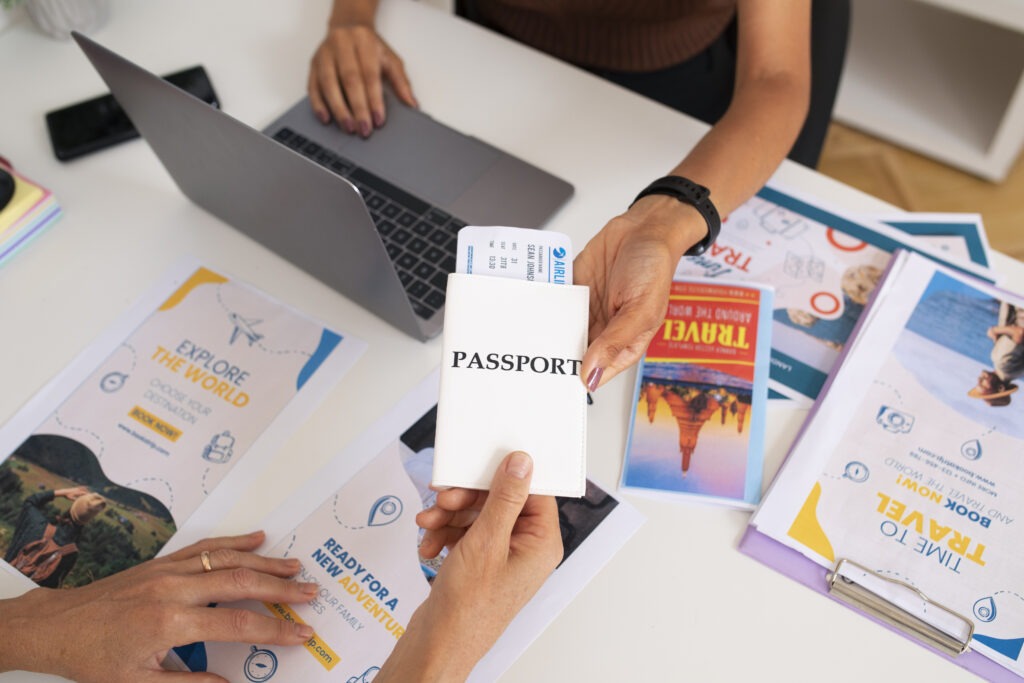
(44, 550)
(64, 524)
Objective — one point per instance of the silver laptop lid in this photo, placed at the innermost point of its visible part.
(301, 212)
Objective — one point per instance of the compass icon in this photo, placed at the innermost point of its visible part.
(260, 665)
(856, 471)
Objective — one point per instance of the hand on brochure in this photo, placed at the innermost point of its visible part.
(120, 628)
(347, 71)
(503, 546)
(629, 266)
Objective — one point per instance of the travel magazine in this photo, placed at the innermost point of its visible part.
(697, 426)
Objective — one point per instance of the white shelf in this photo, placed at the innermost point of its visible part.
(939, 77)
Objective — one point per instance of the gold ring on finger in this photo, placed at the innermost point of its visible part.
(205, 558)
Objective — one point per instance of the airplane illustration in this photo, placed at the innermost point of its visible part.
(244, 326)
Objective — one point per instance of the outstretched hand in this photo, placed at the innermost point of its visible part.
(503, 545)
(629, 266)
(121, 628)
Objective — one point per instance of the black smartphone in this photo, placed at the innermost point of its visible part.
(98, 123)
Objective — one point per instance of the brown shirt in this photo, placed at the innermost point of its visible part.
(622, 35)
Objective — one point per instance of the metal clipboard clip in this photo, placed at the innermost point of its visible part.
(902, 606)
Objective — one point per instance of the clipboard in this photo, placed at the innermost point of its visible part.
(790, 562)
(895, 605)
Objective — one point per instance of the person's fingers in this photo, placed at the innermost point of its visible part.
(316, 99)
(228, 558)
(348, 60)
(437, 518)
(510, 488)
(434, 541)
(541, 506)
(623, 342)
(345, 84)
(460, 499)
(179, 677)
(538, 530)
(433, 518)
(228, 625)
(394, 70)
(369, 47)
(245, 543)
(241, 583)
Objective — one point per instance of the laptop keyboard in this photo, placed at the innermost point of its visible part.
(419, 237)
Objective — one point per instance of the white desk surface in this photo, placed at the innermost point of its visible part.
(679, 602)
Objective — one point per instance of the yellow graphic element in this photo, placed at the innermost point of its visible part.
(200, 277)
(713, 299)
(327, 657)
(169, 432)
(807, 530)
(367, 602)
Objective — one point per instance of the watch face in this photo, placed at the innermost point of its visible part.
(6, 188)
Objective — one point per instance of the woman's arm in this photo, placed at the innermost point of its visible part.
(629, 264)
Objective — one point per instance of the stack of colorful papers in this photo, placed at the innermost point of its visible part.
(30, 210)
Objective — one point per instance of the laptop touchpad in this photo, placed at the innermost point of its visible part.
(422, 156)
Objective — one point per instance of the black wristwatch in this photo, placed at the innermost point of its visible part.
(697, 196)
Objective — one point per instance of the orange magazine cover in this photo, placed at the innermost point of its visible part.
(697, 427)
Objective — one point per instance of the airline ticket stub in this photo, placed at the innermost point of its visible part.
(521, 253)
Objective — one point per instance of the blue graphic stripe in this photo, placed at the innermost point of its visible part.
(328, 341)
(883, 242)
(967, 231)
(1009, 647)
(800, 376)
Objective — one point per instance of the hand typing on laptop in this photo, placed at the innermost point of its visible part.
(345, 74)
(756, 95)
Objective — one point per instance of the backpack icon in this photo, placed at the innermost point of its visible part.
(38, 560)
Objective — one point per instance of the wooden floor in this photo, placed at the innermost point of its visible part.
(917, 183)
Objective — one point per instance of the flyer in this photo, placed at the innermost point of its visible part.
(697, 428)
(823, 266)
(353, 528)
(910, 463)
(107, 464)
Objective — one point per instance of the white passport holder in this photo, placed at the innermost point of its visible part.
(510, 380)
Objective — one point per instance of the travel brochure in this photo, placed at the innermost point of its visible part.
(823, 265)
(353, 528)
(909, 464)
(697, 425)
(197, 382)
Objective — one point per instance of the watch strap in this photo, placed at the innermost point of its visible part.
(697, 196)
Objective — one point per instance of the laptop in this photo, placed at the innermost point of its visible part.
(375, 219)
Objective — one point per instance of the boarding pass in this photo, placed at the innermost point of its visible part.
(520, 253)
